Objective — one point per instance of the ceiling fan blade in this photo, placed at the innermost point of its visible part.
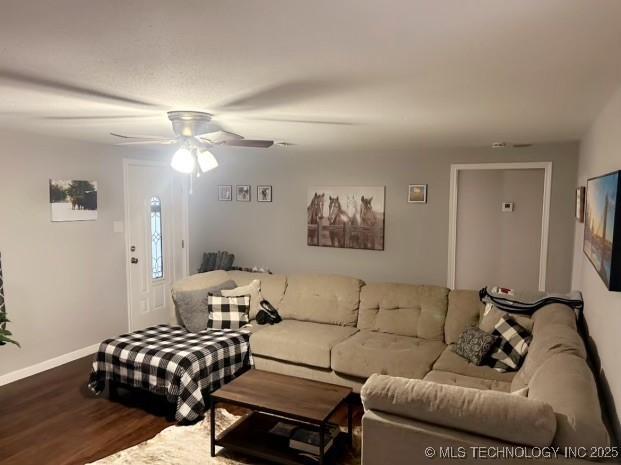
(217, 137)
(249, 143)
(140, 137)
(293, 119)
(283, 93)
(103, 117)
(148, 142)
(33, 81)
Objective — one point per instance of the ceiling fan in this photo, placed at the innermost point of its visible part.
(194, 135)
(195, 132)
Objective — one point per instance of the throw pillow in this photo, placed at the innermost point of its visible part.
(228, 312)
(191, 306)
(511, 347)
(253, 289)
(474, 344)
(492, 314)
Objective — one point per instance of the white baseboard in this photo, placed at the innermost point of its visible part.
(47, 364)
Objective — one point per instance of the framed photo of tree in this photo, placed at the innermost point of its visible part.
(73, 200)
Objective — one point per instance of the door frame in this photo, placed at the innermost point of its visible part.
(127, 162)
(545, 219)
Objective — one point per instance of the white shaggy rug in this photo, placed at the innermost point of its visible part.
(190, 445)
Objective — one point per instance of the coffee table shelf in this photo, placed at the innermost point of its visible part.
(272, 398)
(250, 436)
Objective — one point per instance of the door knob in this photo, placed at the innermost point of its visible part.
(134, 260)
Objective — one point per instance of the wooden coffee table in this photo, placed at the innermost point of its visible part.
(274, 398)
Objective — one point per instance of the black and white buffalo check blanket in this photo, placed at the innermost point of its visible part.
(170, 361)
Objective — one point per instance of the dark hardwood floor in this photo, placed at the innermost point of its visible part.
(52, 418)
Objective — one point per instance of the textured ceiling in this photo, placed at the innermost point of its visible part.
(382, 74)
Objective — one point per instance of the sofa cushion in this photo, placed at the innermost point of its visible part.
(474, 344)
(566, 383)
(464, 310)
(272, 287)
(548, 340)
(554, 314)
(444, 377)
(200, 281)
(453, 363)
(321, 299)
(371, 352)
(516, 419)
(299, 342)
(191, 307)
(251, 290)
(404, 309)
(491, 316)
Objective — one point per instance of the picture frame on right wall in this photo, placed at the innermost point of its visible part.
(602, 228)
(417, 193)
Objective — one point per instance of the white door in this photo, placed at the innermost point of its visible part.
(155, 241)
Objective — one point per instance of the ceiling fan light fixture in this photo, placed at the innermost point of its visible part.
(206, 161)
(183, 161)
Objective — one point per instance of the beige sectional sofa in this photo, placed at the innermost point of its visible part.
(400, 337)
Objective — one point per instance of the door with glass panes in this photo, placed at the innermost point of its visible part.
(154, 242)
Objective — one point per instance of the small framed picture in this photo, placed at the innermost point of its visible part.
(225, 193)
(242, 193)
(580, 197)
(264, 193)
(417, 193)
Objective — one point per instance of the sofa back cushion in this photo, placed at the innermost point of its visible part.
(272, 288)
(554, 314)
(195, 282)
(404, 309)
(464, 310)
(556, 338)
(321, 299)
(565, 382)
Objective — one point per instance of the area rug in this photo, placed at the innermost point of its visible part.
(190, 445)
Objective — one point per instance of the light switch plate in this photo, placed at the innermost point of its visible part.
(507, 206)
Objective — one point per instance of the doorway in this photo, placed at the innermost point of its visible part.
(155, 240)
(498, 225)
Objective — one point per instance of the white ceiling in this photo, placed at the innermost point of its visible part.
(408, 72)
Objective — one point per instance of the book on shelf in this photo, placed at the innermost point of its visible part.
(307, 440)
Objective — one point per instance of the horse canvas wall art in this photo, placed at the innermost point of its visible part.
(346, 217)
(73, 200)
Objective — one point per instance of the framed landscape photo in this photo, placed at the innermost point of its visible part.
(225, 193)
(417, 193)
(242, 193)
(264, 193)
(73, 200)
(602, 228)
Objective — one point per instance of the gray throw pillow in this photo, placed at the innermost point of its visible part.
(191, 306)
(474, 344)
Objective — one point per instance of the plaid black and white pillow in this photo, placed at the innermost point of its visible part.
(228, 312)
(511, 347)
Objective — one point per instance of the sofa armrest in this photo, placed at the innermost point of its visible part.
(499, 415)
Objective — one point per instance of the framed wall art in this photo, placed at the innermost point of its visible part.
(602, 228)
(417, 193)
(73, 200)
(264, 193)
(346, 217)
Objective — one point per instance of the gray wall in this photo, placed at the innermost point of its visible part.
(64, 282)
(416, 237)
(496, 247)
(600, 153)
